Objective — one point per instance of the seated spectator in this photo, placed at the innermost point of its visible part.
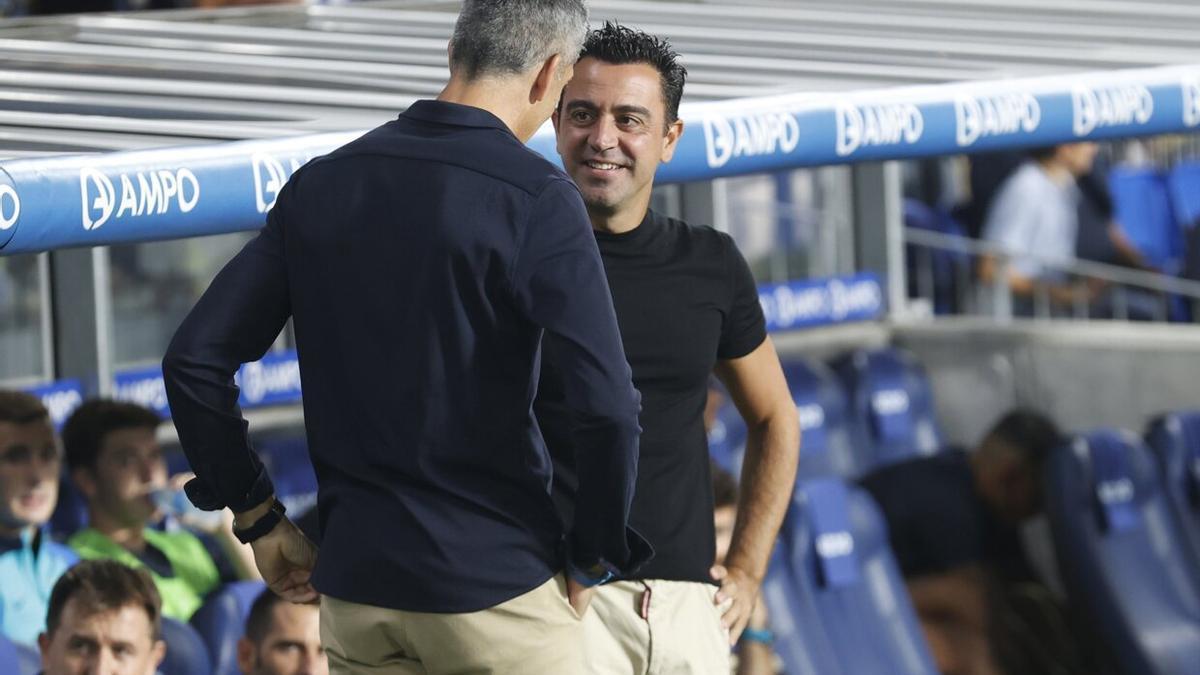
(104, 618)
(30, 562)
(282, 638)
(754, 654)
(1036, 213)
(118, 464)
(953, 525)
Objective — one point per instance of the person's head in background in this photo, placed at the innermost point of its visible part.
(29, 464)
(514, 57)
(116, 461)
(1007, 464)
(104, 619)
(1074, 159)
(618, 120)
(725, 505)
(282, 638)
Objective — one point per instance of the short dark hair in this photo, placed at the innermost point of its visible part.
(1043, 153)
(1029, 432)
(619, 45)
(104, 585)
(20, 407)
(84, 431)
(725, 487)
(258, 621)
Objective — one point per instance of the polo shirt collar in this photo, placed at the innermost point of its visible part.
(444, 112)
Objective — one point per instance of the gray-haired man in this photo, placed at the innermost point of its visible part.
(421, 265)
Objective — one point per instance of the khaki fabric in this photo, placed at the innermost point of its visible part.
(537, 633)
(682, 636)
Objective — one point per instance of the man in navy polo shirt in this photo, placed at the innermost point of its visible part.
(421, 265)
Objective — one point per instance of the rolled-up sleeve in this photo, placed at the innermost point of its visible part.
(559, 281)
(235, 322)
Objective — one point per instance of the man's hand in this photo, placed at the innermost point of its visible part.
(740, 590)
(579, 596)
(286, 558)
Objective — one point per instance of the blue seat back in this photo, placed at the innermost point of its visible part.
(1183, 183)
(727, 438)
(837, 549)
(1144, 209)
(221, 622)
(70, 513)
(186, 651)
(1175, 440)
(1119, 554)
(800, 638)
(828, 445)
(288, 463)
(891, 402)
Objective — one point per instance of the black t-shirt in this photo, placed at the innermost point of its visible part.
(684, 298)
(937, 520)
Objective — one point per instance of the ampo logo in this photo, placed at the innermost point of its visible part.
(1191, 101)
(1118, 491)
(1001, 115)
(890, 402)
(812, 416)
(749, 136)
(877, 125)
(835, 544)
(1110, 107)
(270, 175)
(142, 194)
(10, 207)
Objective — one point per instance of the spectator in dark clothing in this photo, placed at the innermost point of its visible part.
(952, 520)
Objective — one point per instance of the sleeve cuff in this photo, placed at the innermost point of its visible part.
(206, 499)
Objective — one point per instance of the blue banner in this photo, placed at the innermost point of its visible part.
(48, 203)
(805, 304)
(60, 398)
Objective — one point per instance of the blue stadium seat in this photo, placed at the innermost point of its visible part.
(1183, 184)
(1143, 207)
(828, 445)
(727, 438)
(288, 464)
(800, 640)
(1119, 554)
(186, 652)
(1175, 440)
(29, 660)
(70, 514)
(891, 401)
(221, 622)
(837, 549)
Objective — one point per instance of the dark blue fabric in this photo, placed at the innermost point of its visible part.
(833, 544)
(1112, 483)
(422, 264)
(1184, 185)
(221, 622)
(1145, 212)
(186, 651)
(1137, 586)
(1175, 440)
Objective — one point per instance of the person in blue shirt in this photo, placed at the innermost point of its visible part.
(30, 562)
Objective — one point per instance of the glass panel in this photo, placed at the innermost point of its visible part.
(22, 308)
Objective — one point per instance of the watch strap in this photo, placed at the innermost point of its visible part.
(263, 525)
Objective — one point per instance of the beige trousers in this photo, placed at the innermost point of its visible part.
(537, 633)
(675, 631)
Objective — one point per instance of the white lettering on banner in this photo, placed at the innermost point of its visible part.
(890, 402)
(61, 403)
(258, 380)
(812, 416)
(1001, 115)
(10, 207)
(145, 193)
(835, 544)
(270, 174)
(1110, 107)
(877, 125)
(1191, 101)
(764, 134)
(1116, 491)
(148, 391)
(785, 306)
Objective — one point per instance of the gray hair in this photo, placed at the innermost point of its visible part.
(510, 37)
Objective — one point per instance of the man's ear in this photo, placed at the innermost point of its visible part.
(245, 655)
(671, 140)
(158, 652)
(545, 80)
(44, 647)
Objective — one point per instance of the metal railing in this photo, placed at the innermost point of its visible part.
(1126, 293)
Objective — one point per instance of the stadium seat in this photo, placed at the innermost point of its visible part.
(1119, 554)
(221, 621)
(1175, 441)
(828, 446)
(288, 463)
(727, 438)
(1144, 209)
(837, 549)
(891, 401)
(800, 640)
(186, 652)
(70, 513)
(945, 265)
(1183, 184)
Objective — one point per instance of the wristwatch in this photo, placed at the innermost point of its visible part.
(263, 525)
(600, 573)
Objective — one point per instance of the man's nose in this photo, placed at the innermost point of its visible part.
(604, 134)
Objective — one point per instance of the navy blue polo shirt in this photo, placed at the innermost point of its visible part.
(422, 265)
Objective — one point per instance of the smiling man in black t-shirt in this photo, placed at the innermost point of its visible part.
(686, 306)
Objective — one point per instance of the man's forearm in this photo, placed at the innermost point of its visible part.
(768, 476)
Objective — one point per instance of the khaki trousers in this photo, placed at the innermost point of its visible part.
(679, 633)
(537, 633)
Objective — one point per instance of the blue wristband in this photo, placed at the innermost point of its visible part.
(759, 635)
(600, 573)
